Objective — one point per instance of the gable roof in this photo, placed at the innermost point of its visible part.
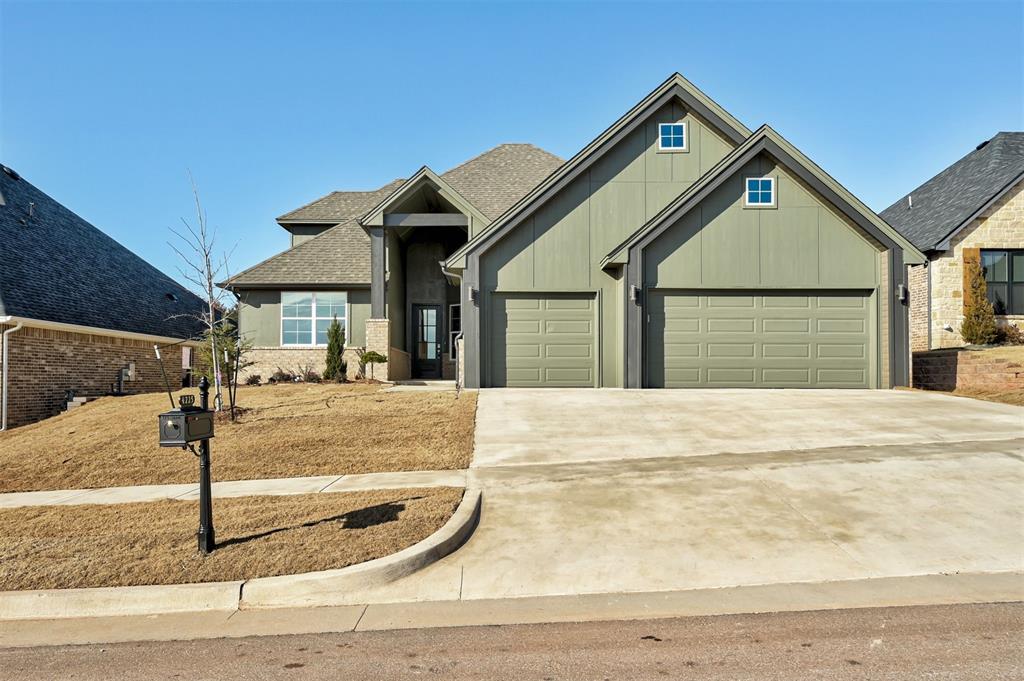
(954, 198)
(57, 267)
(340, 255)
(675, 87)
(422, 177)
(491, 181)
(765, 139)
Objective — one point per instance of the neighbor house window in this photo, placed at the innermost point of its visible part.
(306, 316)
(454, 329)
(1004, 278)
(760, 191)
(672, 136)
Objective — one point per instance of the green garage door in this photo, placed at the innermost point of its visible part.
(543, 340)
(759, 339)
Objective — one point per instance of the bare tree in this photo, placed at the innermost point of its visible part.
(201, 268)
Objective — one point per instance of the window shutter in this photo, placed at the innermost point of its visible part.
(969, 255)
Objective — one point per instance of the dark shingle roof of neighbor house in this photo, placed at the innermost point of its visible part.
(56, 267)
(943, 204)
(492, 182)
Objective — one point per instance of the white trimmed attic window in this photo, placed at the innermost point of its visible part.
(760, 192)
(672, 136)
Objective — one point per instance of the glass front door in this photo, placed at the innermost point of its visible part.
(426, 357)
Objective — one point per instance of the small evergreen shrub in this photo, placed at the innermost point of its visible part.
(979, 325)
(335, 371)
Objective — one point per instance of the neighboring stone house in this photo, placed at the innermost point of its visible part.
(679, 248)
(974, 209)
(77, 309)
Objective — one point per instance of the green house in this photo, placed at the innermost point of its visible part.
(677, 249)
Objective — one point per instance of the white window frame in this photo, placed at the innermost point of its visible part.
(313, 318)
(746, 191)
(686, 137)
(452, 348)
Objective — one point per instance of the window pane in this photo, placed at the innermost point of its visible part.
(455, 318)
(752, 185)
(329, 305)
(321, 330)
(296, 331)
(1017, 270)
(296, 304)
(766, 185)
(752, 198)
(677, 130)
(766, 197)
(994, 263)
(997, 296)
(1017, 304)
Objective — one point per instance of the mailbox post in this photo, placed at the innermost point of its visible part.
(180, 428)
(206, 537)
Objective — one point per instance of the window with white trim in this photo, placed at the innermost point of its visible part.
(760, 192)
(305, 316)
(672, 136)
(454, 329)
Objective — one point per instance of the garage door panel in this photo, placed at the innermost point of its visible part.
(543, 340)
(762, 340)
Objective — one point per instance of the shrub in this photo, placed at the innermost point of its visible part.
(334, 370)
(310, 376)
(1011, 334)
(979, 325)
(254, 379)
(371, 357)
(281, 376)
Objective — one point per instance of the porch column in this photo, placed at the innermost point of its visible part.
(377, 273)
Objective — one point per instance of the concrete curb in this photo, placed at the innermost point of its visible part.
(332, 587)
(313, 588)
(123, 600)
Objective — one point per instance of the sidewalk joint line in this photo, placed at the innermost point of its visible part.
(355, 627)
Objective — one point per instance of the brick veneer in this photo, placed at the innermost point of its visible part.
(1001, 226)
(959, 369)
(267, 360)
(45, 363)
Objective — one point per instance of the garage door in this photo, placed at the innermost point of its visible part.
(543, 341)
(759, 339)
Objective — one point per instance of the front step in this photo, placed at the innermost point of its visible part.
(76, 402)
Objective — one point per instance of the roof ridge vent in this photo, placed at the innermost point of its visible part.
(982, 145)
(11, 172)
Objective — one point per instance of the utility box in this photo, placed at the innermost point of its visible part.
(186, 424)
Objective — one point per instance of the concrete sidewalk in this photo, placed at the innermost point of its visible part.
(238, 488)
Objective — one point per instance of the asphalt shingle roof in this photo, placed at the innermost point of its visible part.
(55, 266)
(943, 203)
(492, 182)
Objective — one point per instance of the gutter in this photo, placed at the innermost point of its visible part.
(6, 364)
(452, 275)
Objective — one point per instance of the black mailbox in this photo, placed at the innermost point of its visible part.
(185, 424)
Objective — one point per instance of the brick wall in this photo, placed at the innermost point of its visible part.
(1001, 226)
(955, 369)
(44, 364)
(917, 282)
(267, 360)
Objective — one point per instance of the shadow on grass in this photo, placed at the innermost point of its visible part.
(359, 519)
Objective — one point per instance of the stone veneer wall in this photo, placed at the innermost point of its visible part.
(268, 360)
(1001, 226)
(957, 369)
(44, 364)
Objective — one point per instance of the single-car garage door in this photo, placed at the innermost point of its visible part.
(543, 340)
(760, 339)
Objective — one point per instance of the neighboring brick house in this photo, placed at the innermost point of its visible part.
(77, 308)
(973, 209)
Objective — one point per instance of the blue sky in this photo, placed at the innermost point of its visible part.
(105, 105)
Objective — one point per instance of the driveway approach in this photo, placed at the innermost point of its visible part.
(618, 491)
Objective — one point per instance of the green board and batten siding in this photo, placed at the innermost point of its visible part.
(558, 250)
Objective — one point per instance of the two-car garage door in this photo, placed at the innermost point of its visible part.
(759, 339)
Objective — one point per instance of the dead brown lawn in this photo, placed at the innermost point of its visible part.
(287, 431)
(62, 547)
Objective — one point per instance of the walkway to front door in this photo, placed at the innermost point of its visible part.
(426, 351)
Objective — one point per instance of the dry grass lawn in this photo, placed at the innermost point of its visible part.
(61, 547)
(1014, 397)
(286, 431)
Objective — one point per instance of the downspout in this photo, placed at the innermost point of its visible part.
(6, 371)
(451, 275)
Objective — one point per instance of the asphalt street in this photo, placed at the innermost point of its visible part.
(984, 642)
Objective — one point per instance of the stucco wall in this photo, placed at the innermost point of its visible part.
(259, 317)
(1002, 226)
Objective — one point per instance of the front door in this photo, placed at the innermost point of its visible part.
(426, 350)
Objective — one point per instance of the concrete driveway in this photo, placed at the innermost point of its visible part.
(616, 491)
(554, 426)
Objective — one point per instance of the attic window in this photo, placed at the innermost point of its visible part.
(672, 136)
(760, 192)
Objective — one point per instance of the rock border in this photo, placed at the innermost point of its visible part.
(311, 588)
